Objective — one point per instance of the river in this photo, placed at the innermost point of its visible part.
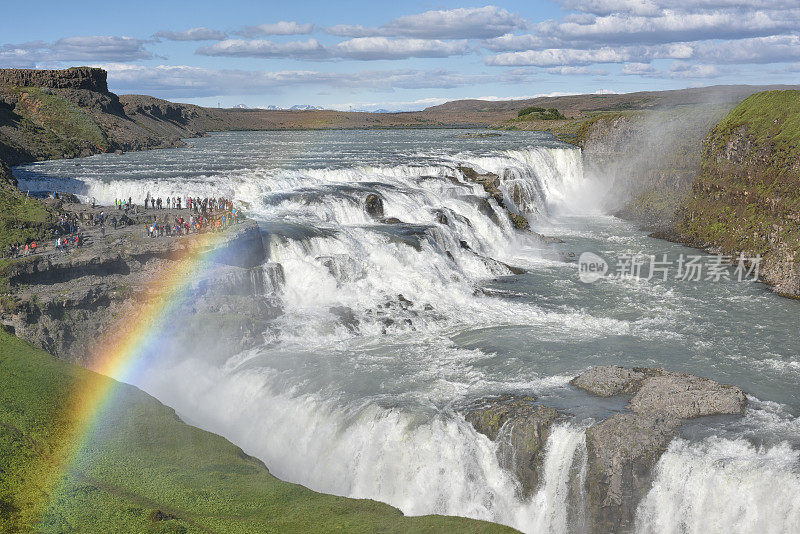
(388, 330)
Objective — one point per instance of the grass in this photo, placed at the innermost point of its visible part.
(144, 470)
(60, 116)
(21, 218)
(771, 118)
(751, 203)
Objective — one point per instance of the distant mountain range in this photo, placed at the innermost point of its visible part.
(308, 107)
(297, 107)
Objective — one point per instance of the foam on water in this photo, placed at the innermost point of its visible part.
(722, 485)
(357, 392)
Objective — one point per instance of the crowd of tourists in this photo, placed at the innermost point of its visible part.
(202, 220)
(205, 214)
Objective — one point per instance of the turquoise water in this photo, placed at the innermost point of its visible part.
(358, 390)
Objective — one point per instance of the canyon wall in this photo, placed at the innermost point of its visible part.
(746, 197)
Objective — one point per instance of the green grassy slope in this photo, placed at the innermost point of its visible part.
(143, 470)
(747, 195)
(21, 218)
(45, 125)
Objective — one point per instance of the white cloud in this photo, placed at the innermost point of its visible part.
(579, 71)
(774, 49)
(556, 57)
(637, 69)
(461, 23)
(362, 48)
(194, 34)
(670, 26)
(310, 49)
(68, 49)
(183, 81)
(370, 48)
(278, 28)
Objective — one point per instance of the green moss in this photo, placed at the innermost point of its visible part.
(141, 469)
(22, 218)
(63, 118)
(751, 203)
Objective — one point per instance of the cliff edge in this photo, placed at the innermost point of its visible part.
(746, 197)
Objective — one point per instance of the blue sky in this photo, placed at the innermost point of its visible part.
(406, 55)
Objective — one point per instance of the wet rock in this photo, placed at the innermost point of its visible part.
(621, 453)
(373, 204)
(404, 302)
(608, 381)
(346, 316)
(519, 221)
(622, 450)
(685, 396)
(391, 220)
(664, 393)
(521, 429)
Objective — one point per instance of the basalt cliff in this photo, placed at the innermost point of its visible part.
(723, 177)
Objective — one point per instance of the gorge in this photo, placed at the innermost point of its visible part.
(405, 338)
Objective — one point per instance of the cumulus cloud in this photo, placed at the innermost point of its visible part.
(676, 70)
(461, 23)
(310, 49)
(86, 49)
(773, 49)
(278, 28)
(193, 34)
(579, 71)
(361, 48)
(370, 48)
(670, 26)
(183, 81)
(552, 57)
(703, 35)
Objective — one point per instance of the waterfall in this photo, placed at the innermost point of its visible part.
(722, 485)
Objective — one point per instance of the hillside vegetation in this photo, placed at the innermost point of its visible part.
(144, 470)
(746, 198)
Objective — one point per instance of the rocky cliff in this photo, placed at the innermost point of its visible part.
(648, 159)
(64, 302)
(49, 114)
(746, 197)
(621, 450)
(90, 79)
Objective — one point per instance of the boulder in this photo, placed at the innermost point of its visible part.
(611, 380)
(374, 205)
(685, 396)
(622, 450)
(621, 453)
(521, 429)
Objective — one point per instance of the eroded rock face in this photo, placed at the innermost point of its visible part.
(521, 429)
(622, 450)
(611, 380)
(621, 453)
(374, 205)
(685, 396)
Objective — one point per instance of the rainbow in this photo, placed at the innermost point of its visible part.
(123, 354)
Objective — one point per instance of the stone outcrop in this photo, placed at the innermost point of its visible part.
(745, 199)
(65, 303)
(621, 453)
(622, 450)
(521, 428)
(91, 79)
(373, 204)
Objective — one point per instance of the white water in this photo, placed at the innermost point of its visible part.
(358, 391)
(721, 485)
